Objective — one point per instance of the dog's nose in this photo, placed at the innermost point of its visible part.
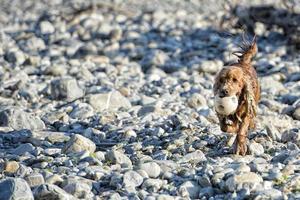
(223, 93)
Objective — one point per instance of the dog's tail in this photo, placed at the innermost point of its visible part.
(248, 51)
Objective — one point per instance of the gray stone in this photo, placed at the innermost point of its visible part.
(269, 194)
(82, 111)
(190, 189)
(132, 178)
(238, 181)
(52, 151)
(46, 27)
(210, 66)
(79, 143)
(270, 84)
(291, 135)
(54, 179)
(156, 58)
(79, 190)
(34, 180)
(23, 148)
(296, 113)
(256, 149)
(273, 132)
(194, 157)
(117, 157)
(151, 168)
(152, 184)
(66, 88)
(99, 155)
(15, 189)
(19, 119)
(51, 192)
(54, 137)
(292, 184)
(15, 56)
(165, 197)
(206, 192)
(56, 70)
(197, 101)
(108, 101)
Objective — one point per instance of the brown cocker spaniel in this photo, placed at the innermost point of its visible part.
(240, 80)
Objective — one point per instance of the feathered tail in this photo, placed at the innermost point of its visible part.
(248, 51)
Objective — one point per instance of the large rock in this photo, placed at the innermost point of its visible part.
(23, 148)
(79, 190)
(292, 135)
(35, 179)
(11, 167)
(108, 101)
(66, 88)
(238, 181)
(15, 56)
(51, 192)
(18, 119)
(296, 113)
(190, 189)
(46, 27)
(151, 168)
(256, 149)
(155, 58)
(197, 101)
(15, 189)
(269, 194)
(210, 66)
(79, 143)
(117, 157)
(132, 178)
(82, 111)
(194, 157)
(268, 83)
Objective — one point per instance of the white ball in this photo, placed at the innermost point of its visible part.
(226, 105)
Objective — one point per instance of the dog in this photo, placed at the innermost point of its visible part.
(239, 80)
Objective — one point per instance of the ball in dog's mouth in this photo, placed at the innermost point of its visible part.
(226, 105)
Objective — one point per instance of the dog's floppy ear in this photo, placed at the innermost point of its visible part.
(249, 98)
(216, 84)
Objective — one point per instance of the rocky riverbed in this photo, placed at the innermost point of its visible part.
(113, 100)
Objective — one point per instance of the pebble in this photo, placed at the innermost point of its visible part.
(79, 143)
(194, 157)
(118, 157)
(66, 88)
(210, 66)
(34, 180)
(151, 168)
(18, 119)
(237, 181)
(46, 27)
(79, 190)
(15, 188)
(50, 191)
(132, 178)
(256, 148)
(108, 101)
(189, 189)
(11, 167)
(115, 101)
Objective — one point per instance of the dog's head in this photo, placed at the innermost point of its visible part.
(229, 82)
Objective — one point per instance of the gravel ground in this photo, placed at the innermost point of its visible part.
(113, 100)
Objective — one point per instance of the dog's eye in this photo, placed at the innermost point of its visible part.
(234, 80)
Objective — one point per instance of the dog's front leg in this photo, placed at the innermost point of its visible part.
(241, 138)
